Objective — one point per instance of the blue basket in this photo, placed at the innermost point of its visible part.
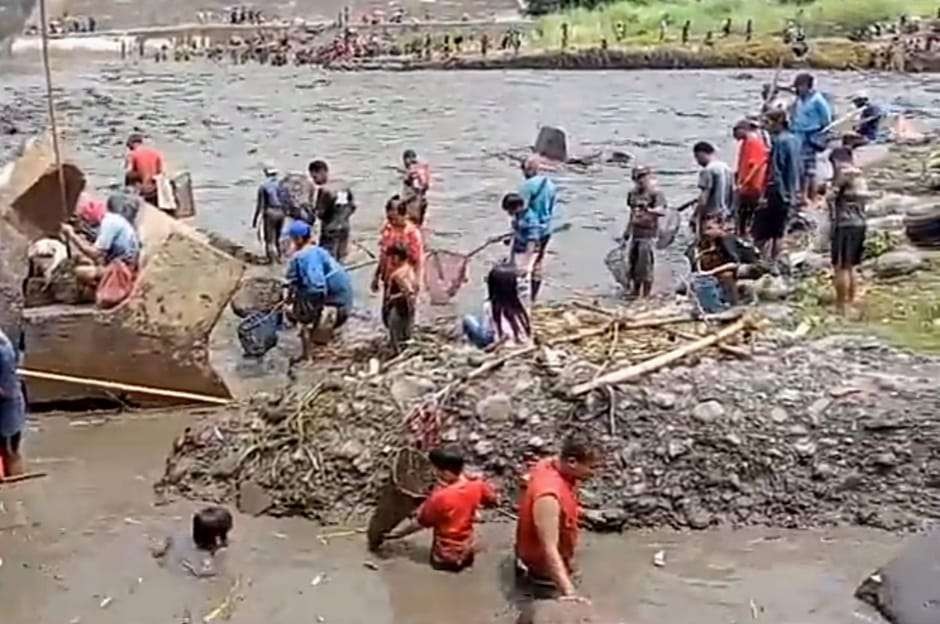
(707, 290)
(258, 332)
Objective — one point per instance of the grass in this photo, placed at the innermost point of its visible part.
(642, 18)
(905, 311)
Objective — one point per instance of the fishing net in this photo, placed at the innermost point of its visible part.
(411, 478)
(444, 273)
(618, 264)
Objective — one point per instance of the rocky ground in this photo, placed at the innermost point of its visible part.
(833, 432)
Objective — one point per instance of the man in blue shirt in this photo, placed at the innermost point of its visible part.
(315, 280)
(812, 117)
(783, 187)
(870, 117)
(12, 408)
(271, 213)
(117, 241)
(539, 194)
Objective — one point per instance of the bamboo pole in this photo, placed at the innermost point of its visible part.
(114, 385)
(637, 370)
(51, 105)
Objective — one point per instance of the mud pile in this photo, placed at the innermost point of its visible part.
(835, 432)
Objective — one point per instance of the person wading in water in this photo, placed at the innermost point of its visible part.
(147, 163)
(540, 195)
(549, 510)
(416, 184)
(450, 512)
(751, 176)
(399, 237)
(271, 213)
(781, 196)
(647, 205)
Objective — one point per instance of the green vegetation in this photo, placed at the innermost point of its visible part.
(642, 18)
(904, 311)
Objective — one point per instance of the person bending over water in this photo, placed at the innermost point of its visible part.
(505, 320)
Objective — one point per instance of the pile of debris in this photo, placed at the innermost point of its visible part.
(779, 432)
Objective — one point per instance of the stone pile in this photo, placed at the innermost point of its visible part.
(835, 432)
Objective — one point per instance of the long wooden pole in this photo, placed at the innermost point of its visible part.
(49, 101)
(114, 385)
(648, 366)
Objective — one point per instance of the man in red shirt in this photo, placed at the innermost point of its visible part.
(751, 177)
(547, 531)
(147, 163)
(450, 511)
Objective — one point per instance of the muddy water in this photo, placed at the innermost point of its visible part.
(222, 122)
(80, 537)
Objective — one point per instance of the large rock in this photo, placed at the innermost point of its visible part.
(897, 263)
(552, 143)
(907, 590)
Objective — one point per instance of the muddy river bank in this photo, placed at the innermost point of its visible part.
(80, 537)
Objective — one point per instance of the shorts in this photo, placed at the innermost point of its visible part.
(642, 260)
(308, 308)
(770, 222)
(337, 243)
(848, 246)
(10, 445)
(747, 208)
(808, 156)
(540, 257)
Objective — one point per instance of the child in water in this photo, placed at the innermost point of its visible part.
(504, 320)
(401, 293)
(450, 511)
(199, 557)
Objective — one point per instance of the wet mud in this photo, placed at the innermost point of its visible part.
(79, 539)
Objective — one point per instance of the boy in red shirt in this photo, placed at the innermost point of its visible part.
(450, 511)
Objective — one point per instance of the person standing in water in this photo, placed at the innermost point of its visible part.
(416, 183)
(12, 408)
(647, 205)
(549, 512)
(781, 195)
(399, 299)
(751, 176)
(540, 195)
(811, 119)
(505, 320)
(450, 511)
(524, 242)
(715, 183)
(271, 213)
(847, 199)
(147, 163)
(870, 118)
(334, 211)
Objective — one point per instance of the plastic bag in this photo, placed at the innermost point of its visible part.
(115, 286)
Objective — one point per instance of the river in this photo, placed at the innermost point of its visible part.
(221, 122)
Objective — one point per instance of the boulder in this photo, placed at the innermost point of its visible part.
(897, 263)
(256, 294)
(892, 204)
(552, 143)
(907, 589)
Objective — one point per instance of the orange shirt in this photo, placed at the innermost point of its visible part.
(410, 236)
(546, 480)
(147, 162)
(450, 511)
(752, 166)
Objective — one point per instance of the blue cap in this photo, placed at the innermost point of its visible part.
(299, 229)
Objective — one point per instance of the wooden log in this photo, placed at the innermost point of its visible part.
(638, 370)
(744, 354)
(623, 324)
(113, 385)
(29, 476)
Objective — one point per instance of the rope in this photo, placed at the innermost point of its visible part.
(52, 122)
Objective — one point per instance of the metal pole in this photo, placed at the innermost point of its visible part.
(52, 122)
